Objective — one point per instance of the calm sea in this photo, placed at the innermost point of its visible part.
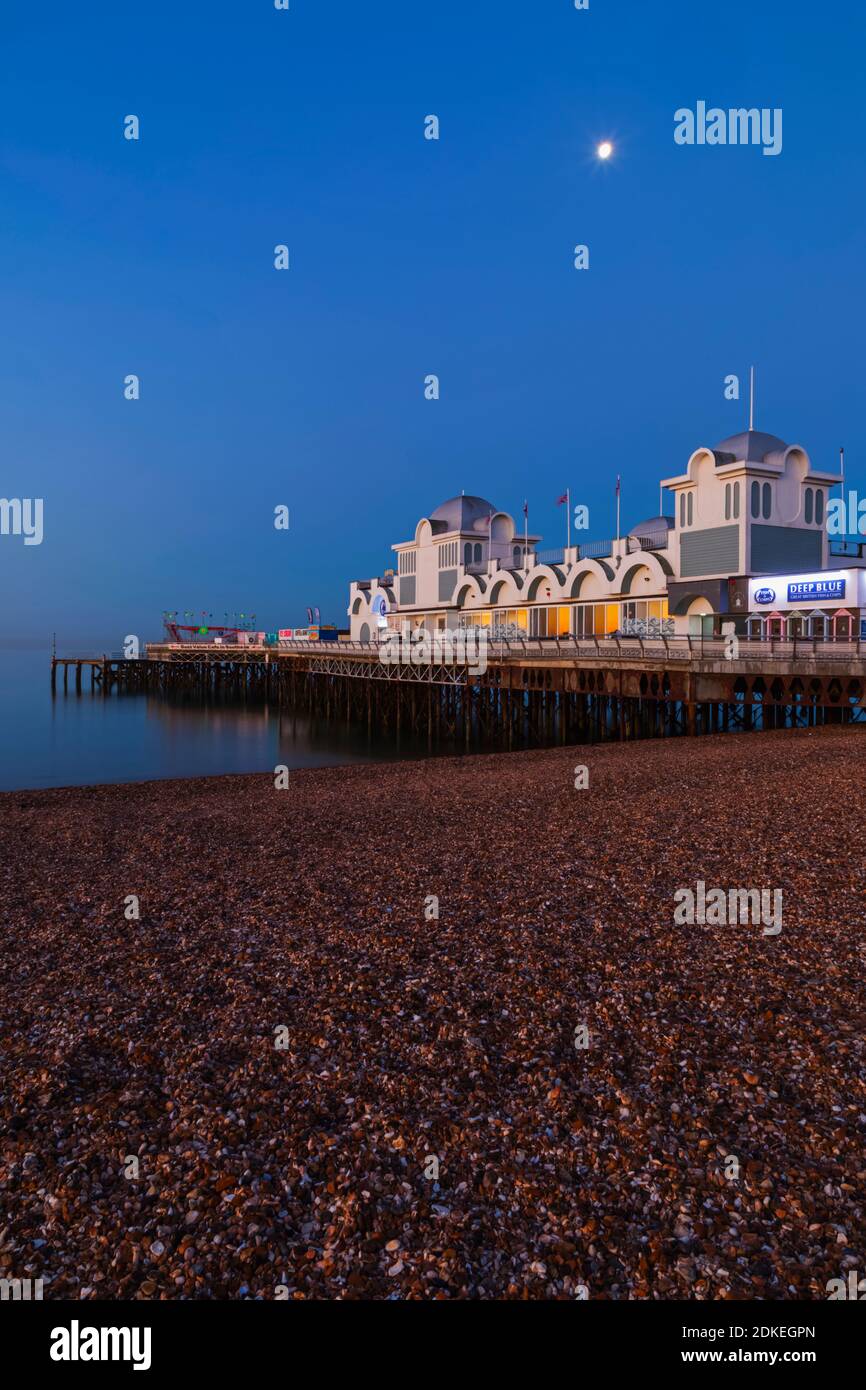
(73, 740)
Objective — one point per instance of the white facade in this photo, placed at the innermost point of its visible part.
(751, 506)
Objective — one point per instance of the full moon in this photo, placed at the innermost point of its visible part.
(605, 150)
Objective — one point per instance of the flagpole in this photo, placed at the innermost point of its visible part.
(526, 535)
(617, 506)
(568, 517)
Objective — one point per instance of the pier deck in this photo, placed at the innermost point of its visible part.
(553, 690)
(95, 664)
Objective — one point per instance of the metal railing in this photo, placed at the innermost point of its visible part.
(683, 648)
(653, 540)
(591, 550)
(505, 556)
(855, 550)
(594, 550)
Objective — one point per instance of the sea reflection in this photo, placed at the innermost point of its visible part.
(78, 738)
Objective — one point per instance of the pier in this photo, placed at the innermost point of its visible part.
(97, 666)
(529, 693)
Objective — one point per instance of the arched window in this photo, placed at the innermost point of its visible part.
(727, 501)
(682, 510)
(807, 510)
(756, 499)
(819, 505)
(517, 555)
(478, 554)
(691, 507)
(736, 500)
(768, 501)
(467, 553)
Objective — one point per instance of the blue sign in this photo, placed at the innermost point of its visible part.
(826, 590)
(765, 596)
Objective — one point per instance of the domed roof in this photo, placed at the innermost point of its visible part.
(462, 514)
(752, 446)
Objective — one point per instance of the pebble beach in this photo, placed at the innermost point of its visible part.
(429, 1030)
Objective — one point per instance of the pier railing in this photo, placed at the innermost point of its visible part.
(678, 648)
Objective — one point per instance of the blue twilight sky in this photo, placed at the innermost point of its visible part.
(408, 257)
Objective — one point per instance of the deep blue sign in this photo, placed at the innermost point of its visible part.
(822, 589)
(765, 596)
